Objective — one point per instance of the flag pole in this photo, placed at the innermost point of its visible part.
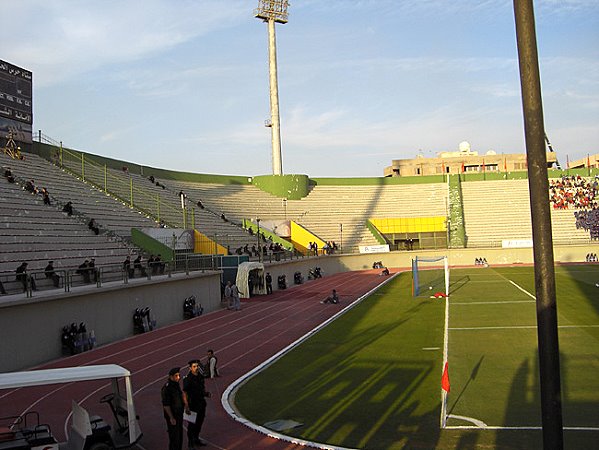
(443, 419)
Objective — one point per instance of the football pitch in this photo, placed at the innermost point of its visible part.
(372, 378)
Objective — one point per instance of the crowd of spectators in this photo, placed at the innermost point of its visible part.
(581, 194)
(574, 191)
(591, 257)
(588, 220)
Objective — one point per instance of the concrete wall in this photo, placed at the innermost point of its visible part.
(31, 328)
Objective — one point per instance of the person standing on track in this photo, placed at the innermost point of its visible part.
(194, 398)
(211, 369)
(268, 283)
(235, 295)
(172, 405)
(228, 298)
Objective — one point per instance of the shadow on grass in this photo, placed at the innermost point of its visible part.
(473, 375)
(456, 285)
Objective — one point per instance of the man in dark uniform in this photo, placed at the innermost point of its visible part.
(172, 405)
(194, 398)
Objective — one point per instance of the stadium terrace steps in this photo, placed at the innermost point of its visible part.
(163, 204)
(500, 210)
(35, 232)
(326, 207)
(86, 199)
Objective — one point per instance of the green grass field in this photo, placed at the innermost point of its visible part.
(371, 379)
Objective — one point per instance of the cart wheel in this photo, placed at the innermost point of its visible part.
(100, 446)
(107, 399)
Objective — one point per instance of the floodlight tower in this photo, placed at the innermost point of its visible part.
(272, 11)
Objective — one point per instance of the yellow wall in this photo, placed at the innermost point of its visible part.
(206, 246)
(300, 237)
(410, 224)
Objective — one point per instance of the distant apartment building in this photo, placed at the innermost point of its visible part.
(464, 160)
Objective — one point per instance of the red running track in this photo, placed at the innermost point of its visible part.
(241, 340)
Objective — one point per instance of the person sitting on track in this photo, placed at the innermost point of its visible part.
(333, 298)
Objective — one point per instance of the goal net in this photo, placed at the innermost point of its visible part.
(430, 275)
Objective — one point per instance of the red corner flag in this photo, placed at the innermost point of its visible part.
(445, 378)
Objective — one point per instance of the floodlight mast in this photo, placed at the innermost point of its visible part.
(272, 11)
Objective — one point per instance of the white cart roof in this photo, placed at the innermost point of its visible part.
(12, 380)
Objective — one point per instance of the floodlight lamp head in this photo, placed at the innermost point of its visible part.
(272, 10)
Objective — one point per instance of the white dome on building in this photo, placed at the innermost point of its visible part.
(464, 146)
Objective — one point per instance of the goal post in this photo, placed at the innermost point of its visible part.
(430, 275)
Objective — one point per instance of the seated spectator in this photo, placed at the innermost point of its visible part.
(333, 298)
(2, 290)
(137, 265)
(23, 277)
(8, 175)
(160, 263)
(83, 270)
(30, 187)
(68, 208)
(50, 273)
(46, 196)
(200, 205)
(152, 179)
(92, 269)
(130, 271)
(92, 226)
(151, 264)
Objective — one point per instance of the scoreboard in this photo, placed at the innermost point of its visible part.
(16, 104)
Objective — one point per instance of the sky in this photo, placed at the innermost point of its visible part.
(183, 84)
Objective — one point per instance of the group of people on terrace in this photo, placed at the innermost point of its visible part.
(87, 270)
(328, 248)
(154, 264)
(273, 248)
(574, 192)
(588, 220)
(31, 187)
(591, 257)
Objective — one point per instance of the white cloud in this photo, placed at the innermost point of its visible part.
(65, 38)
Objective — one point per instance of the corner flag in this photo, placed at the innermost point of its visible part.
(445, 378)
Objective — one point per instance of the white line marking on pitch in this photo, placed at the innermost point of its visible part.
(477, 423)
(492, 303)
(524, 290)
(494, 427)
(513, 327)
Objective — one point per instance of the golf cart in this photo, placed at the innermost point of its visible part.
(86, 432)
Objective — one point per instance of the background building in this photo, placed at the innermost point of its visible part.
(462, 161)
